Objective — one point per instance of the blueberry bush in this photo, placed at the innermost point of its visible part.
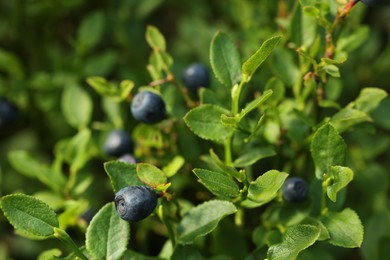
(194, 129)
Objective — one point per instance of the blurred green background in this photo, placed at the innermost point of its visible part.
(46, 45)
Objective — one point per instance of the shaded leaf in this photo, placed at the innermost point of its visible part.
(203, 219)
(253, 155)
(218, 183)
(205, 122)
(107, 234)
(348, 117)
(122, 174)
(76, 106)
(24, 163)
(327, 149)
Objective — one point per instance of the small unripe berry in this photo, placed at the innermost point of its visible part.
(118, 143)
(295, 189)
(195, 76)
(134, 203)
(148, 107)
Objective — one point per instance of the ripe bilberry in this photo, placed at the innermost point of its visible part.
(8, 112)
(148, 107)
(118, 143)
(134, 203)
(195, 76)
(295, 189)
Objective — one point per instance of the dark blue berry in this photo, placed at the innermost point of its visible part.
(8, 113)
(373, 2)
(127, 158)
(196, 76)
(118, 143)
(148, 107)
(295, 189)
(134, 203)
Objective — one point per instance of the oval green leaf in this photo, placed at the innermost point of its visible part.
(77, 106)
(225, 60)
(205, 122)
(203, 219)
(107, 235)
(24, 163)
(253, 155)
(155, 39)
(327, 149)
(252, 64)
(29, 215)
(296, 239)
(151, 175)
(369, 99)
(345, 228)
(340, 176)
(218, 183)
(122, 175)
(264, 188)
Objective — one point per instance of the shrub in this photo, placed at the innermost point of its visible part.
(291, 96)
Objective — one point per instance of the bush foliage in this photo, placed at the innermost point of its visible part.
(297, 89)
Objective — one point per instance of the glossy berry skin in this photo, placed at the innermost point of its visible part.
(195, 76)
(134, 203)
(373, 2)
(295, 189)
(148, 107)
(127, 158)
(8, 113)
(118, 143)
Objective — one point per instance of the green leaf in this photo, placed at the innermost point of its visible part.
(327, 149)
(203, 219)
(369, 99)
(225, 60)
(340, 177)
(132, 255)
(155, 39)
(174, 166)
(205, 122)
(218, 183)
(345, 228)
(296, 239)
(102, 86)
(77, 106)
(121, 175)
(90, 31)
(255, 103)
(24, 163)
(264, 188)
(151, 175)
(107, 234)
(332, 70)
(72, 212)
(125, 88)
(239, 175)
(253, 155)
(284, 66)
(29, 215)
(252, 64)
(348, 117)
(50, 254)
(186, 252)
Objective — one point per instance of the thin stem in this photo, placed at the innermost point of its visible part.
(67, 240)
(236, 93)
(228, 151)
